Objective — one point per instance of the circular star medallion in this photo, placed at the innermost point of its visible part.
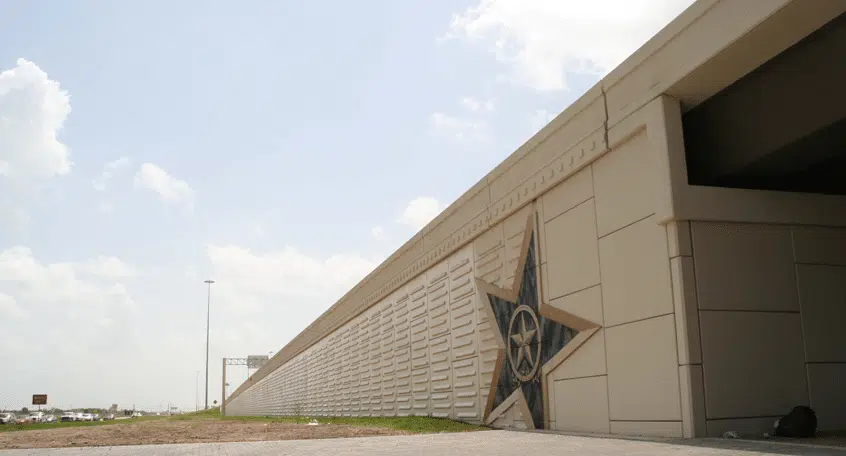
(524, 342)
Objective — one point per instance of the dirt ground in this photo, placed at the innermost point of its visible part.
(172, 431)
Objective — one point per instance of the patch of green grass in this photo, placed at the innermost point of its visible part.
(414, 424)
(210, 413)
(64, 424)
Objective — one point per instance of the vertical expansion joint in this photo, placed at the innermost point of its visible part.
(605, 105)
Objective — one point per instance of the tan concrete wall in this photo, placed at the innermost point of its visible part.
(770, 304)
(414, 353)
(429, 347)
(758, 292)
(605, 258)
(711, 44)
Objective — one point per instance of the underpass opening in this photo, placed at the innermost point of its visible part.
(781, 127)
(771, 297)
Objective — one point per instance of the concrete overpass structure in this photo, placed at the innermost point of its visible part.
(666, 257)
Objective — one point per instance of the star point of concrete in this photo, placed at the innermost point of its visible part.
(557, 335)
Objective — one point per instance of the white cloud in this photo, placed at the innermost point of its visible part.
(269, 297)
(471, 125)
(72, 296)
(473, 104)
(33, 109)
(287, 274)
(169, 188)
(13, 218)
(540, 119)
(192, 273)
(447, 125)
(377, 231)
(420, 211)
(262, 299)
(9, 308)
(18, 264)
(68, 316)
(470, 103)
(107, 266)
(543, 40)
(109, 170)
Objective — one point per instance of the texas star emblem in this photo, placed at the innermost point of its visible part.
(525, 344)
(533, 339)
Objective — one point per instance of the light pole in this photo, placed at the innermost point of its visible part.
(197, 392)
(208, 312)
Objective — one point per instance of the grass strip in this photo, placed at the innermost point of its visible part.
(64, 424)
(413, 424)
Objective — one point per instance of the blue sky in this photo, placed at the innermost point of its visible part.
(282, 148)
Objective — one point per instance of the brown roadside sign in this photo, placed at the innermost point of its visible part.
(39, 399)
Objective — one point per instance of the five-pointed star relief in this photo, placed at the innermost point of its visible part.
(524, 340)
(532, 337)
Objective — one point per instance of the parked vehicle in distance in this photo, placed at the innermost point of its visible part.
(108, 416)
(137, 415)
(87, 417)
(7, 418)
(36, 417)
(68, 416)
(49, 419)
(78, 416)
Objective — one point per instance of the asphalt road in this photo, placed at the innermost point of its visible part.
(488, 443)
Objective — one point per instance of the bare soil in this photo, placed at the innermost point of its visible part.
(172, 431)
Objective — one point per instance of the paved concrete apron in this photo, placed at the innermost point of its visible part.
(489, 443)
